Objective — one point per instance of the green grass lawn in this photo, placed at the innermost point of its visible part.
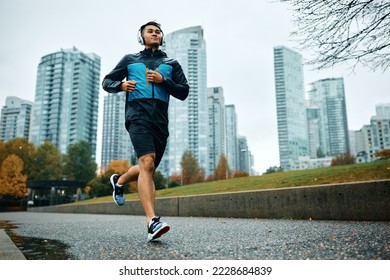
(329, 175)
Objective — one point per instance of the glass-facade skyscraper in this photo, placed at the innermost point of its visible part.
(231, 137)
(290, 106)
(217, 126)
(66, 104)
(116, 143)
(329, 97)
(314, 132)
(244, 155)
(15, 119)
(188, 125)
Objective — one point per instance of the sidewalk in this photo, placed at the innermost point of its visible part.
(8, 250)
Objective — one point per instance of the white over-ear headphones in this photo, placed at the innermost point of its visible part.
(141, 39)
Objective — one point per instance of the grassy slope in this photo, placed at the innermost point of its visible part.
(338, 174)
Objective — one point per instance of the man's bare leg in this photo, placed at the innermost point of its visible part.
(146, 192)
(146, 189)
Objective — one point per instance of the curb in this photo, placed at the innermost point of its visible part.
(8, 250)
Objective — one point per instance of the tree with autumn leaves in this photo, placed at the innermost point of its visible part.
(44, 163)
(12, 179)
(22, 148)
(191, 172)
(222, 171)
(13, 168)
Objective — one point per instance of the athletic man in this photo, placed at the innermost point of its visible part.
(149, 78)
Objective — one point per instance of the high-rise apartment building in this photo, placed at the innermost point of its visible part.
(15, 119)
(373, 138)
(313, 127)
(65, 110)
(217, 126)
(188, 125)
(383, 110)
(245, 159)
(329, 97)
(116, 143)
(290, 106)
(231, 137)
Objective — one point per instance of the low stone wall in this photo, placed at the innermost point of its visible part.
(364, 201)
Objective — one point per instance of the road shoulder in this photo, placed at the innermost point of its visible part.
(8, 250)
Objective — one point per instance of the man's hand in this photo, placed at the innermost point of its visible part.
(128, 86)
(154, 77)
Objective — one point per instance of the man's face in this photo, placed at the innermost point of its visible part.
(152, 36)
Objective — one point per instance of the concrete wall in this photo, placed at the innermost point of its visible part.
(352, 201)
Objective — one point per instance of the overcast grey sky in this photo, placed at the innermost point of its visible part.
(240, 37)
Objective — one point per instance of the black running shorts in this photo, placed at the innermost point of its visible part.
(147, 139)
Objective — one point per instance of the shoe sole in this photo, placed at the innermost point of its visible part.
(113, 190)
(158, 234)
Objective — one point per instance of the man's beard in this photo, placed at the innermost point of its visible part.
(155, 45)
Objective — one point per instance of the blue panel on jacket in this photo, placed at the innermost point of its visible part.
(143, 89)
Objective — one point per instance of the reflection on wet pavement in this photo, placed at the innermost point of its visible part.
(37, 248)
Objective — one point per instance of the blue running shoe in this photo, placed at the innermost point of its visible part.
(156, 228)
(118, 193)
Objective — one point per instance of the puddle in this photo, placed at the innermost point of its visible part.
(37, 248)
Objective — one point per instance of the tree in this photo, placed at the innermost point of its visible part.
(201, 175)
(3, 152)
(24, 150)
(78, 162)
(12, 179)
(159, 180)
(340, 31)
(222, 171)
(273, 169)
(100, 185)
(343, 159)
(46, 163)
(174, 180)
(119, 166)
(384, 154)
(238, 174)
(190, 168)
(320, 154)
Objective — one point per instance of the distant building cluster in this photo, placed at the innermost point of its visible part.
(313, 127)
(66, 103)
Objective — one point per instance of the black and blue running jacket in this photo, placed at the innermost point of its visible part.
(149, 101)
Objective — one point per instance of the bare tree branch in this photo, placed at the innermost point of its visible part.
(339, 31)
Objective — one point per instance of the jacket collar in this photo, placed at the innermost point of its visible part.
(148, 52)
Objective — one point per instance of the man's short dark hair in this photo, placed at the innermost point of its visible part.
(150, 23)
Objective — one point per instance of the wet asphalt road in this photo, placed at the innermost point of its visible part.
(122, 237)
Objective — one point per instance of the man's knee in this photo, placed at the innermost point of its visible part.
(147, 162)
